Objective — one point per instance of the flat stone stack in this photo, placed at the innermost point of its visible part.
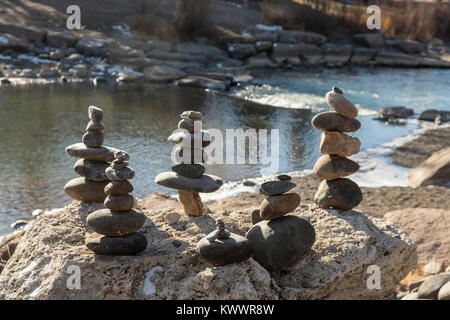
(335, 191)
(279, 241)
(115, 227)
(94, 159)
(188, 175)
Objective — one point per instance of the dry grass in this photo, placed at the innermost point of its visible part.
(193, 18)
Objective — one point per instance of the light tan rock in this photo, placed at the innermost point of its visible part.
(329, 167)
(333, 142)
(335, 268)
(277, 206)
(444, 292)
(172, 217)
(426, 227)
(192, 203)
(341, 104)
(432, 268)
(433, 171)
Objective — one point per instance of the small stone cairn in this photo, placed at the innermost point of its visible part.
(94, 159)
(115, 227)
(279, 240)
(222, 247)
(188, 175)
(335, 191)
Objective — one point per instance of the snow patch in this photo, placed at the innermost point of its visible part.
(36, 60)
(263, 27)
(3, 40)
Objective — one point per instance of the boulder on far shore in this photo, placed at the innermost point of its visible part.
(433, 171)
(370, 40)
(386, 113)
(431, 115)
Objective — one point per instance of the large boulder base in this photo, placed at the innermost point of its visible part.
(433, 171)
(335, 267)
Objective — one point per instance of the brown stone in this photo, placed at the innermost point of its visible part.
(331, 121)
(191, 202)
(341, 194)
(126, 245)
(341, 105)
(119, 203)
(93, 139)
(334, 142)
(274, 207)
(118, 188)
(115, 223)
(86, 190)
(329, 167)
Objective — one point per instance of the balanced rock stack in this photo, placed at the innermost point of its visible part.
(279, 240)
(94, 159)
(188, 175)
(222, 247)
(115, 227)
(335, 191)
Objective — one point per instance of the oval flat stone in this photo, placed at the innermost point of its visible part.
(444, 292)
(192, 140)
(272, 188)
(279, 243)
(93, 139)
(333, 142)
(189, 170)
(86, 190)
(341, 104)
(329, 167)
(205, 184)
(126, 173)
(115, 223)
(284, 177)
(95, 126)
(119, 164)
(429, 289)
(274, 207)
(195, 115)
(190, 125)
(221, 252)
(119, 203)
(118, 188)
(103, 153)
(91, 169)
(190, 155)
(342, 194)
(95, 114)
(331, 121)
(125, 245)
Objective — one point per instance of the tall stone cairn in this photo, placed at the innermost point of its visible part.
(94, 159)
(188, 175)
(279, 240)
(335, 191)
(115, 227)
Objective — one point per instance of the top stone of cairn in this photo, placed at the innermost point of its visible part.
(341, 104)
(194, 115)
(95, 114)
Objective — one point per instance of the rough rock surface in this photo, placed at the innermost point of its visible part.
(171, 268)
(433, 171)
(428, 228)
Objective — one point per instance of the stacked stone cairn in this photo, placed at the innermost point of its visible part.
(222, 247)
(187, 175)
(94, 159)
(279, 240)
(335, 191)
(115, 227)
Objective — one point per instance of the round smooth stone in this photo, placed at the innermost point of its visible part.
(256, 216)
(189, 170)
(119, 203)
(119, 164)
(116, 246)
(190, 155)
(95, 126)
(284, 177)
(329, 167)
(334, 142)
(91, 169)
(444, 292)
(103, 153)
(191, 140)
(341, 104)
(195, 115)
(115, 223)
(331, 121)
(221, 252)
(93, 139)
(281, 242)
(274, 207)
(190, 125)
(272, 188)
(430, 288)
(126, 173)
(121, 156)
(118, 188)
(205, 184)
(95, 114)
(342, 194)
(86, 190)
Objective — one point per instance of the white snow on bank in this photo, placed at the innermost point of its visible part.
(124, 29)
(152, 277)
(3, 40)
(2, 57)
(263, 27)
(36, 60)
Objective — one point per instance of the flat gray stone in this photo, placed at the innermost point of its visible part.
(86, 190)
(103, 153)
(126, 245)
(91, 169)
(93, 139)
(205, 184)
(126, 173)
(95, 114)
(444, 292)
(118, 188)
(185, 139)
(119, 202)
(272, 188)
(189, 170)
(341, 194)
(115, 223)
(95, 126)
(429, 289)
(332, 121)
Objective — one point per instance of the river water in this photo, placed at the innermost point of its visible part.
(38, 122)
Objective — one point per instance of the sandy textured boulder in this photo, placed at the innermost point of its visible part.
(427, 228)
(170, 267)
(433, 171)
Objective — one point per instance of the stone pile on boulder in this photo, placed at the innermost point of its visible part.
(280, 240)
(115, 227)
(188, 175)
(335, 191)
(94, 160)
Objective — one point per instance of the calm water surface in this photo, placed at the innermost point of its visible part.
(37, 123)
